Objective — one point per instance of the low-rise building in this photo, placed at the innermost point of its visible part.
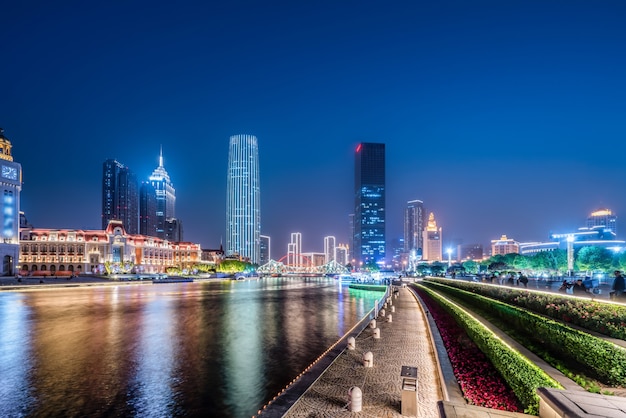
(89, 251)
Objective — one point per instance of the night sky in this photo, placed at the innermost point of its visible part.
(504, 117)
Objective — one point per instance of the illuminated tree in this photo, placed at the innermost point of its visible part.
(594, 258)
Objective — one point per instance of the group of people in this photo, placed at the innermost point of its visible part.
(510, 279)
(617, 288)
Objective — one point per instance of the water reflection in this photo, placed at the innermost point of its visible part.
(189, 349)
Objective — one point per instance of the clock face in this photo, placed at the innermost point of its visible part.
(9, 172)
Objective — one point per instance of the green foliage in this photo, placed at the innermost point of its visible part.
(605, 359)
(594, 258)
(521, 375)
(234, 266)
(470, 266)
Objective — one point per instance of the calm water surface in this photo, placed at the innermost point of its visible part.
(218, 349)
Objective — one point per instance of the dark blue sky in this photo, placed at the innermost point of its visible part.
(504, 117)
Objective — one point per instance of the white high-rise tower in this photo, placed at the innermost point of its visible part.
(243, 199)
(165, 197)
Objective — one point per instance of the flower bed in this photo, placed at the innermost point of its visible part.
(523, 377)
(606, 360)
(480, 382)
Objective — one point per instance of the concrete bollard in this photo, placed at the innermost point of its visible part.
(385, 305)
(373, 323)
(355, 399)
(377, 333)
(389, 318)
(393, 309)
(382, 312)
(351, 343)
(368, 359)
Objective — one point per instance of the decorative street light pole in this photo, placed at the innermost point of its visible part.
(570, 255)
(449, 251)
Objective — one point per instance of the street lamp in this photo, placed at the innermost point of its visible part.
(449, 251)
(570, 255)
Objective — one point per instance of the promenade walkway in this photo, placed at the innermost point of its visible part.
(405, 341)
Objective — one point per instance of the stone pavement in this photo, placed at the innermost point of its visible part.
(405, 341)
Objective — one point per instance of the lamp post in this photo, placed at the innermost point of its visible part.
(449, 251)
(570, 255)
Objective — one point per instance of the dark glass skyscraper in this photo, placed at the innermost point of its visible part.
(120, 196)
(369, 192)
(147, 210)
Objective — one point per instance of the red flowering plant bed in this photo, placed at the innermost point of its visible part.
(480, 382)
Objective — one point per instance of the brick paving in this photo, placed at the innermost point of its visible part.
(404, 341)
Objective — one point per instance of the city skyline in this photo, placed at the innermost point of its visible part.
(501, 118)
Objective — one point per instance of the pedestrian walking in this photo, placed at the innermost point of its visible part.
(617, 289)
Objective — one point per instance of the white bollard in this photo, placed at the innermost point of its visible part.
(377, 333)
(393, 309)
(382, 312)
(355, 399)
(389, 318)
(373, 323)
(368, 359)
(351, 343)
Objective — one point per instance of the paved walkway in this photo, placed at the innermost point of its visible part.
(403, 342)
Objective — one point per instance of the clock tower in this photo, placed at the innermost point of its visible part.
(10, 188)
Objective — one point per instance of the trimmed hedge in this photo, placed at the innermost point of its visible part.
(606, 318)
(523, 376)
(605, 359)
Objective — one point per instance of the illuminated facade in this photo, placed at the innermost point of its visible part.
(265, 253)
(243, 199)
(165, 197)
(369, 243)
(604, 218)
(432, 240)
(414, 224)
(294, 250)
(82, 251)
(342, 253)
(10, 187)
(120, 196)
(330, 248)
(504, 246)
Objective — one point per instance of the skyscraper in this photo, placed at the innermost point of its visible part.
(369, 192)
(147, 209)
(329, 249)
(165, 197)
(432, 240)
(294, 250)
(265, 253)
(603, 217)
(120, 196)
(243, 198)
(414, 223)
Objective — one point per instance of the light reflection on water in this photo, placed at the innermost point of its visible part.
(220, 348)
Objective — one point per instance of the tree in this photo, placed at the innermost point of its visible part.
(231, 266)
(594, 258)
(470, 266)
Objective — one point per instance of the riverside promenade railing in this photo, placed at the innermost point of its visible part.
(283, 401)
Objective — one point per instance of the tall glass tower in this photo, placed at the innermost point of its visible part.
(243, 199)
(414, 224)
(369, 192)
(165, 197)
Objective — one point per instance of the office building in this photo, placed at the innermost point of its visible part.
(369, 192)
(265, 254)
(10, 187)
(147, 210)
(110, 174)
(432, 240)
(469, 252)
(329, 249)
(243, 199)
(504, 246)
(341, 254)
(128, 200)
(165, 197)
(604, 218)
(414, 224)
(173, 230)
(294, 250)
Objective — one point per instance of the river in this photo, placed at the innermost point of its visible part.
(215, 348)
